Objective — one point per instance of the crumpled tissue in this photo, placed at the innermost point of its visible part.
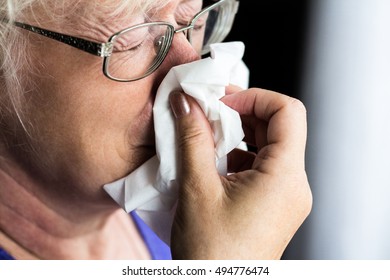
(151, 190)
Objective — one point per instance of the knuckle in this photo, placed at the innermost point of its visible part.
(296, 106)
(306, 200)
(193, 133)
(302, 197)
(192, 136)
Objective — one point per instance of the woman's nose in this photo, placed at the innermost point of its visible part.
(180, 52)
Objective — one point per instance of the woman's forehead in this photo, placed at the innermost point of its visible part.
(86, 7)
(101, 10)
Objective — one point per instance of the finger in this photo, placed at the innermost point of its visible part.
(248, 123)
(286, 119)
(253, 126)
(230, 89)
(196, 153)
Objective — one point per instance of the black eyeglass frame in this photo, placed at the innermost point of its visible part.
(105, 49)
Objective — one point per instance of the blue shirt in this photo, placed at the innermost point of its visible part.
(158, 249)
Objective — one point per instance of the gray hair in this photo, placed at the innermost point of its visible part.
(14, 56)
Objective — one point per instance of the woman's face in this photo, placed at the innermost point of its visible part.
(89, 130)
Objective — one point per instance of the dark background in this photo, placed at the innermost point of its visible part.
(274, 33)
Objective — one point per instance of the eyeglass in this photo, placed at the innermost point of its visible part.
(135, 52)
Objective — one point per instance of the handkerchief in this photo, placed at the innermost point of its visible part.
(151, 190)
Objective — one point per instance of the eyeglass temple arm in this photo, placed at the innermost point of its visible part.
(99, 49)
(208, 8)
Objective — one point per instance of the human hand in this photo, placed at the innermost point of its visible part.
(254, 212)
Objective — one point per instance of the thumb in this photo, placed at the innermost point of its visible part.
(196, 153)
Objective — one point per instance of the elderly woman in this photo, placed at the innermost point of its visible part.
(68, 128)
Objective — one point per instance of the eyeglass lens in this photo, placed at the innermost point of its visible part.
(137, 52)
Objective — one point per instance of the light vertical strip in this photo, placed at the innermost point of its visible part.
(347, 94)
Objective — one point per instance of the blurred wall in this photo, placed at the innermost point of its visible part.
(346, 88)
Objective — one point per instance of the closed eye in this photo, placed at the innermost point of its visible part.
(129, 48)
(196, 27)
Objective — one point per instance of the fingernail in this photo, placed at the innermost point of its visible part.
(179, 104)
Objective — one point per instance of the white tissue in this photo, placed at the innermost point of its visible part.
(151, 189)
